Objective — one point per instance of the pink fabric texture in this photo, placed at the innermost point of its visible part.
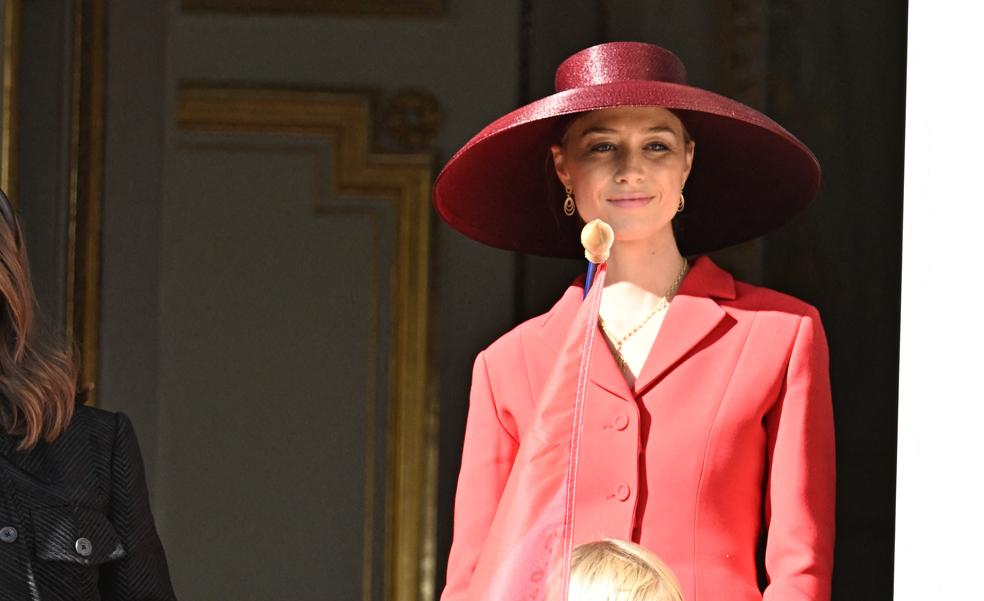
(526, 554)
(728, 434)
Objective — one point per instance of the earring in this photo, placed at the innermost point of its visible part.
(569, 203)
(683, 203)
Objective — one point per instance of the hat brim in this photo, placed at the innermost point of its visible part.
(749, 174)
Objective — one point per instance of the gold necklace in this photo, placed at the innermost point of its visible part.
(661, 304)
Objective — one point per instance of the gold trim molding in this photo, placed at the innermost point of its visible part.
(11, 77)
(84, 236)
(412, 119)
(364, 8)
(409, 529)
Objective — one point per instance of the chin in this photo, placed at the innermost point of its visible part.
(631, 234)
(630, 230)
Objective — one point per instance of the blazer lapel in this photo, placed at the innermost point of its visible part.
(34, 462)
(39, 462)
(693, 314)
(603, 370)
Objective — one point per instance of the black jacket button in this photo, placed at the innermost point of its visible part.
(83, 547)
(8, 534)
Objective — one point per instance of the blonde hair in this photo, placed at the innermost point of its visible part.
(615, 570)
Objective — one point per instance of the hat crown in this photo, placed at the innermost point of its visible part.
(619, 61)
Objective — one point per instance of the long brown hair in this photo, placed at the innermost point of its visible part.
(37, 376)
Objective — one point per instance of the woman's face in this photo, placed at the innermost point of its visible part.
(626, 166)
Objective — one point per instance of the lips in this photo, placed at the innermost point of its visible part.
(631, 202)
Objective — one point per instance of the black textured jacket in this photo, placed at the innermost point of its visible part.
(75, 521)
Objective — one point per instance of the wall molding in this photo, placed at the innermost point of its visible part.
(344, 119)
(86, 152)
(363, 8)
(8, 120)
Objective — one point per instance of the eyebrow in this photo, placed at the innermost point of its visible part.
(608, 130)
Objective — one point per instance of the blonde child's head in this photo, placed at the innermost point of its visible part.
(615, 570)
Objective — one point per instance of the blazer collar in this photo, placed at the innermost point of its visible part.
(693, 314)
(35, 462)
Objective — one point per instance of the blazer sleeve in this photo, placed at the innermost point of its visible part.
(141, 574)
(491, 443)
(799, 502)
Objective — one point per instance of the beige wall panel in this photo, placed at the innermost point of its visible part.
(468, 60)
(267, 463)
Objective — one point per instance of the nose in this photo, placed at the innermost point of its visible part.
(629, 168)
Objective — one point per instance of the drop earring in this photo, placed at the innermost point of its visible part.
(569, 207)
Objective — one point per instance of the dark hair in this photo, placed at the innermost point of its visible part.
(37, 376)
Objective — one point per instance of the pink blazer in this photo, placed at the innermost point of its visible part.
(728, 434)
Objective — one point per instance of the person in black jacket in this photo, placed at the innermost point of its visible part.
(75, 520)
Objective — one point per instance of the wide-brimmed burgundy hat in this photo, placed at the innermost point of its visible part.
(749, 175)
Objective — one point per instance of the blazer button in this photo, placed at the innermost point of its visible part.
(621, 421)
(622, 492)
(8, 534)
(83, 547)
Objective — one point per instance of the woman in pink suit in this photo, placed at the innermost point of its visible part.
(707, 418)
